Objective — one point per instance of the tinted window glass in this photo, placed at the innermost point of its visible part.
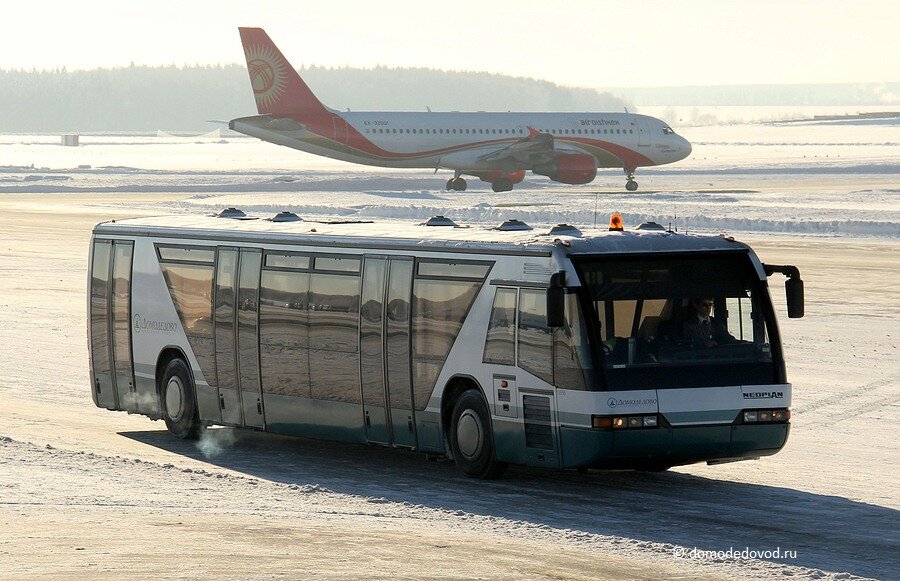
(248, 319)
(371, 337)
(224, 325)
(454, 269)
(287, 261)
(121, 313)
(439, 309)
(534, 334)
(398, 330)
(500, 346)
(571, 352)
(99, 297)
(337, 264)
(334, 312)
(284, 332)
(688, 322)
(170, 253)
(191, 289)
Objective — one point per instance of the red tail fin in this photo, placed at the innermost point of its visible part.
(276, 85)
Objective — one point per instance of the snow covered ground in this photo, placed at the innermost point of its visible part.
(94, 494)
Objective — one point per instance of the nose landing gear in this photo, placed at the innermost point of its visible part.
(630, 185)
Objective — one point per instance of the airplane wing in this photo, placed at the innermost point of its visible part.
(526, 152)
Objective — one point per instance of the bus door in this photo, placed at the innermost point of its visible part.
(237, 336)
(114, 386)
(384, 339)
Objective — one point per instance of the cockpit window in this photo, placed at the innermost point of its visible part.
(679, 322)
(668, 130)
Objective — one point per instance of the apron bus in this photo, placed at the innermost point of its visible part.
(550, 347)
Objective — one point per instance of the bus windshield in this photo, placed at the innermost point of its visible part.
(679, 322)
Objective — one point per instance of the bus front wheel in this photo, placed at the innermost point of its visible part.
(471, 439)
(178, 399)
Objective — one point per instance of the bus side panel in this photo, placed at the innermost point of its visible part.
(312, 418)
(156, 326)
(534, 444)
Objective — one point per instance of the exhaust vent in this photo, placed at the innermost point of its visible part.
(538, 422)
(231, 213)
(565, 229)
(440, 221)
(285, 217)
(512, 225)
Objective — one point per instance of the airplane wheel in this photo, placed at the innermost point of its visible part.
(450, 187)
(502, 185)
(459, 184)
(631, 186)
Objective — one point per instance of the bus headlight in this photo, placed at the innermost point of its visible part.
(777, 416)
(625, 422)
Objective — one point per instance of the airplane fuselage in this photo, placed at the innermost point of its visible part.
(496, 147)
(459, 140)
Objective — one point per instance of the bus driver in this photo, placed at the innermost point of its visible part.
(701, 329)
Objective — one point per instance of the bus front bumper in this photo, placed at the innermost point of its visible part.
(649, 448)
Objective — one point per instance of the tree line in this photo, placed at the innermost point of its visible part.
(171, 98)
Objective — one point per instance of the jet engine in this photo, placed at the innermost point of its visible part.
(569, 168)
(495, 175)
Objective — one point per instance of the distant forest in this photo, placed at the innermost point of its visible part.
(140, 98)
(147, 99)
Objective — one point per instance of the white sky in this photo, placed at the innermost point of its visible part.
(609, 43)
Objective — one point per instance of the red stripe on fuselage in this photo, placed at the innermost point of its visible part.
(322, 124)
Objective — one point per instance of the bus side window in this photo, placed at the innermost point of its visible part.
(535, 337)
(500, 345)
(570, 349)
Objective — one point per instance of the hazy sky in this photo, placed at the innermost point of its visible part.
(590, 44)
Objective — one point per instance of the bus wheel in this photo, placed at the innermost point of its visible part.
(179, 403)
(471, 440)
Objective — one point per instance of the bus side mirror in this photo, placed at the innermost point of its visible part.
(793, 288)
(556, 300)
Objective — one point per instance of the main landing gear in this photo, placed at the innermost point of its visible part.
(456, 184)
(631, 185)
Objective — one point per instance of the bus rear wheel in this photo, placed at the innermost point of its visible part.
(179, 401)
(471, 440)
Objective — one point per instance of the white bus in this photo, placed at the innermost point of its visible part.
(501, 345)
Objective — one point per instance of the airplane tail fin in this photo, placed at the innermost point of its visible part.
(277, 87)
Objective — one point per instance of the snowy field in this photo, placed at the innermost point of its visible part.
(87, 493)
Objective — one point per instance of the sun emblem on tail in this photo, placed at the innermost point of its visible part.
(268, 75)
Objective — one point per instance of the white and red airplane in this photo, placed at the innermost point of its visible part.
(496, 147)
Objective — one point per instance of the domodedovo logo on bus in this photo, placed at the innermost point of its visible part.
(144, 325)
(614, 402)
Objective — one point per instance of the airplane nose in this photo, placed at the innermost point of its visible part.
(686, 147)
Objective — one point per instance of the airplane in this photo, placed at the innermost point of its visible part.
(497, 148)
